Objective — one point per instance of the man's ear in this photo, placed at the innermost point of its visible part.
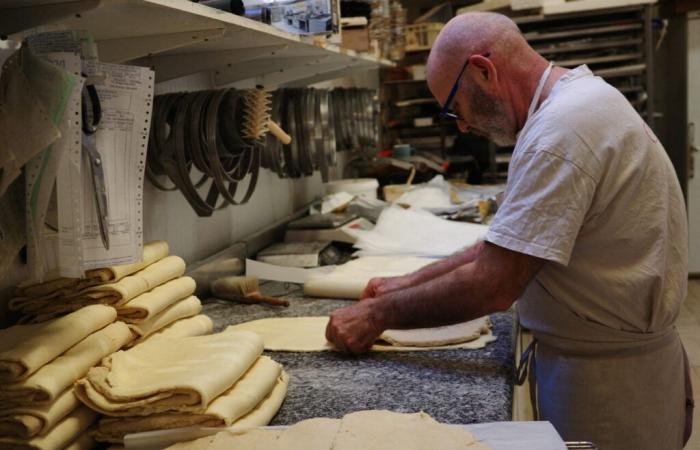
(485, 70)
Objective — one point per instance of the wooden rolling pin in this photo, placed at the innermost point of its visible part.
(243, 290)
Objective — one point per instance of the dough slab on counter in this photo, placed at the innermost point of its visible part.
(24, 349)
(308, 334)
(62, 435)
(60, 287)
(240, 400)
(183, 374)
(366, 430)
(349, 280)
(112, 294)
(25, 422)
(148, 304)
(46, 384)
(437, 336)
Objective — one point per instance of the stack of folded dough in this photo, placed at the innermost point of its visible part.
(114, 287)
(39, 364)
(168, 382)
(363, 429)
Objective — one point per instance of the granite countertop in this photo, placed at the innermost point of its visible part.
(453, 386)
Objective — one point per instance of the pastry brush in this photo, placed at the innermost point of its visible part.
(244, 290)
(257, 121)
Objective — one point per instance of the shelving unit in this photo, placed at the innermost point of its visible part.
(616, 44)
(179, 38)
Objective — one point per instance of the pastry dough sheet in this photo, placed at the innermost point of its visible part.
(238, 401)
(179, 374)
(44, 386)
(24, 349)
(308, 334)
(367, 430)
(349, 280)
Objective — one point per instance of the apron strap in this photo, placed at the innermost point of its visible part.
(527, 369)
(689, 402)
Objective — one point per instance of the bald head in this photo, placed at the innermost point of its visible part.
(498, 82)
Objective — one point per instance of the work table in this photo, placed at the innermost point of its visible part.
(453, 386)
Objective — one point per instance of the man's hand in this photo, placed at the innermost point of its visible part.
(353, 329)
(381, 286)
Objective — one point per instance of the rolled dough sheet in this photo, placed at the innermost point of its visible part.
(254, 439)
(44, 386)
(112, 294)
(198, 325)
(242, 398)
(308, 334)
(179, 374)
(435, 336)
(62, 435)
(24, 422)
(188, 307)
(370, 430)
(311, 434)
(148, 304)
(25, 348)
(60, 287)
(349, 280)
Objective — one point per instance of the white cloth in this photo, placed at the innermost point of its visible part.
(592, 191)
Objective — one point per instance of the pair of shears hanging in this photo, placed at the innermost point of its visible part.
(91, 115)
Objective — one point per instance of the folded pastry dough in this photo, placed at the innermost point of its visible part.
(150, 303)
(198, 325)
(241, 399)
(60, 287)
(436, 336)
(25, 348)
(308, 334)
(46, 384)
(84, 442)
(188, 307)
(62, 435)
(25, 422)
(113, 294)
(180, 374)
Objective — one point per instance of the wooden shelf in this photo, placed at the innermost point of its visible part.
(179, 38)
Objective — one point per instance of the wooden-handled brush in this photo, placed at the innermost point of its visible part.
(243, 290)
(257, 120)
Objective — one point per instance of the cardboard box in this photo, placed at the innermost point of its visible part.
(355, 38)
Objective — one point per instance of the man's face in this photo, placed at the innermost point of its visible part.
(485, 115)
(480, 112)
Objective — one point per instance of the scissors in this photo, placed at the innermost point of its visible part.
(92, 114)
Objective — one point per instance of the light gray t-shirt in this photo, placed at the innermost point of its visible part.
(592, 191)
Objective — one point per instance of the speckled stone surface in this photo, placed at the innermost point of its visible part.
(453, 386)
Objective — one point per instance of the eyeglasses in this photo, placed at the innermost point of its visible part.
(446, 112)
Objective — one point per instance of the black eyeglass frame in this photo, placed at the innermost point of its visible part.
(445, 112)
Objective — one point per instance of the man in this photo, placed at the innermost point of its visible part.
(591, 238)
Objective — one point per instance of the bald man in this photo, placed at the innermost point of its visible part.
(590, 237)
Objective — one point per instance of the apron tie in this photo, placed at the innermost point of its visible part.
(527, 368)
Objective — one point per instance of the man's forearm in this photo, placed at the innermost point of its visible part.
(443, 266)
(455, 296)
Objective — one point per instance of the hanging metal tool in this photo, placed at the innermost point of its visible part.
(91, 115)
